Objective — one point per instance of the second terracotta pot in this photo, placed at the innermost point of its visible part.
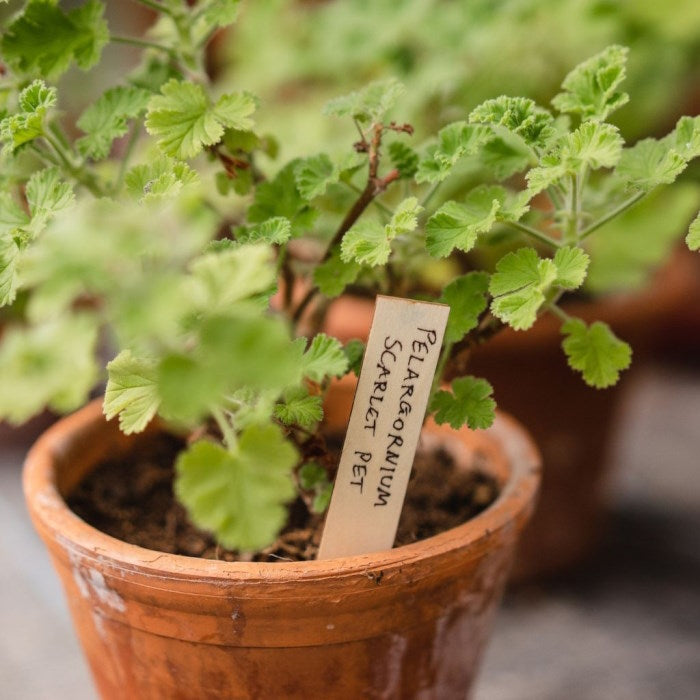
(411, 622)
(573, 425)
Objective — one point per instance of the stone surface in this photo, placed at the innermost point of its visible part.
(626, 629)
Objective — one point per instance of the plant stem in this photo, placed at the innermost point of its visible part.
(74, 171)
(611, 214)
(155, 6)
(560, 313)
(534, 233)
(440, 369)
(380, 205)
(572, 229)
(142, 43)
(226, 428)
(133, 138)
(430, 193)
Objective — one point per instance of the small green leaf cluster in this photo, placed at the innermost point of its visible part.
(158, 226)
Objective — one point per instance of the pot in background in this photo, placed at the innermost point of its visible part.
(409, 622)
(573, 425)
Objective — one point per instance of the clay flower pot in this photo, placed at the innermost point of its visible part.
(408, 622)
(572, 424)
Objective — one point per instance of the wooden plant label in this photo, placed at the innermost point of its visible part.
(385, 423)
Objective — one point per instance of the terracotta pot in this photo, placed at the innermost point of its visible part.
(409, 622)
(573, 425)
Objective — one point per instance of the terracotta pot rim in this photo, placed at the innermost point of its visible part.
(51, 513)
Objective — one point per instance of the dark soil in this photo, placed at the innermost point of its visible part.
(131, 498)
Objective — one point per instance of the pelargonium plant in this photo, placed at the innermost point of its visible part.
(156, 228)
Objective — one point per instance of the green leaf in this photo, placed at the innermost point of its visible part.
(693, 237)
(590, 89)
(505, 155)
(47, 195)
(332, 276)
(366, 243)
(48, 364)
(311, 474)
(595, 352)
(44, 40)
(518, 115)
(454, 142)
(132, 391)
(355, 351)
(280, 197)
(219, 13)
(594, 145)
(469, 403)
(518, 287)
(106, 119)
(161, 178)
(650, 163)
(369, 243)
(240, 496)
(404, 219)
(185, 121)
(572, 265)
(466, 297)
(28, 123)
(313, 175)
(275, 231)
(299, 408)
(229, 276)
(456, 225)
(369, 105)
(404, 159)
(324, 358)
(685, 138)
(9, 254)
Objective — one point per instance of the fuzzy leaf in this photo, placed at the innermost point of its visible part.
(457, 225)
(466, 297)
(313, 175)
(518, 115)
(355, 351)
(9, 254)
(280, 197)
(595, 352)
(693, 237)
(685, 138)
(332, 276)
(240, 496)
(404, 219)
(106, 119)
(299, 408)
(220, 13)
(131, 392)
(229, 276)
(369, 105)
(404, 159)
(594, 145)
(161, 178)
(44, 40)
(518, 286)
(455, 141)
(185, 121)
(47, 195)
(469, 403)
(275, 231)
(49, 364)
(28, 123)
(366, 243)
(572, 265)
(650, 163)
(324, 358)
(590, 89)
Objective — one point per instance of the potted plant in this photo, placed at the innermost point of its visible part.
(129, 248)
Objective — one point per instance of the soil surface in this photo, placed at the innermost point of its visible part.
(131, 498)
